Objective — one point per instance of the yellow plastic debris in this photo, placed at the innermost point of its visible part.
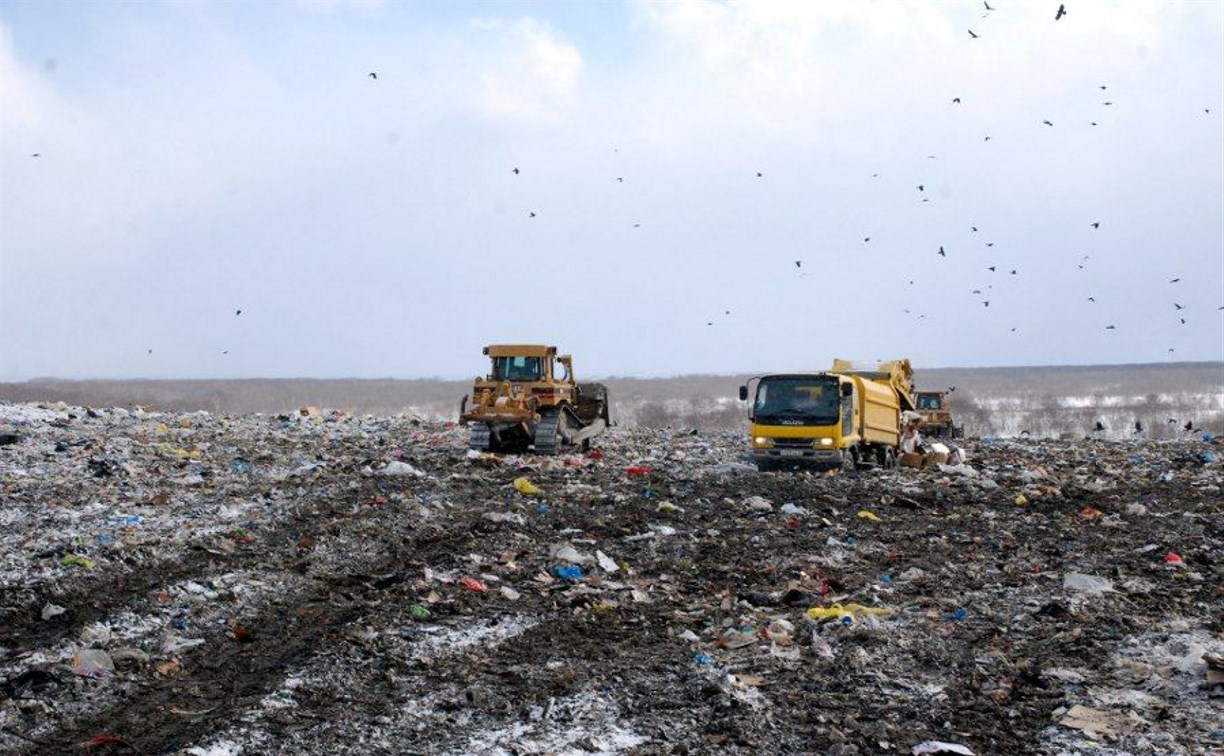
(76, 560)
(865, 515)
(525, 487)
(185, 422)
(853, 611)
(666, 507)
(1020, 500)
(163, 428)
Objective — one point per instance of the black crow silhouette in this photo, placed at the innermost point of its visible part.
(1111, 328)
(530, 214)
(237, 313)
(1062, 11)
(798, 263)
(1176, 306)
(373, 75)
(971, 34)
(1174, 280)
(1099, 426)
(1097, 224)
(955, 99)
(1189, 426)
(1138, 427)
(921, 188)
(942, 253)
(515, 171)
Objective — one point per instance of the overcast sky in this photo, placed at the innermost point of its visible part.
(166, 164)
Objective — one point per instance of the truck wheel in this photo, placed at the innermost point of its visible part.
(850, 460)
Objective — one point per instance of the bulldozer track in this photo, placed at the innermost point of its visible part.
(478, 436)
(546, 432)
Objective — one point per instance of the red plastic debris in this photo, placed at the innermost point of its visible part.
(595, 454)
(1173, 558)
(638, 470)
(472, 584)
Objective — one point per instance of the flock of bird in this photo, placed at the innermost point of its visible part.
(942, 252)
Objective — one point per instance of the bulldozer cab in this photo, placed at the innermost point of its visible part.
(518, 369)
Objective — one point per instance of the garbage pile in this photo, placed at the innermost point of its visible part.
(322, 583)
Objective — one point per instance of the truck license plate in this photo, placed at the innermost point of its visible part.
(792, 452)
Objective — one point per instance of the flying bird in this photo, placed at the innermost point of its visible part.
(866, 239)
(1091, 299)
(942, 253)
(921, 188)
(1174, 280)
(991, 269)
(36, 154)
(1177, 306)
(1109, 103)
(373, 75)
(1013, 272)
(1111, 328)
(760, 175)
(987, 139)
(1189, 426)
(1096, 224)
(237, 313)
(530, 214)
(798, 263)
(973, 229)
(1062, 11)
(620, 180)
(987, 5)
(955, 99)
(989, 244)
(986, 303)
(1183, 321)
(515, 171)
(1103, 86)
(971, 34)
(1093, 123)
(1047, 123)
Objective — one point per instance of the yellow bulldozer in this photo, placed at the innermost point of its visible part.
(530, 401)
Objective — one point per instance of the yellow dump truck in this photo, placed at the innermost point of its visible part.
(530, 401)
(848, 417)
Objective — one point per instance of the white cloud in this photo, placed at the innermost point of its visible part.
(532, 75)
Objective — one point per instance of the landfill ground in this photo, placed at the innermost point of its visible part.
(329, 584)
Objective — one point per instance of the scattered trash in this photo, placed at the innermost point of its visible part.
(1097, 722)
(568, 572)
(864, 514)
(851, 612)
(525, 487)
(76, 560)
(52, 610)
(1091, 584)
(936, 747)
(92, 662)
(472, 584)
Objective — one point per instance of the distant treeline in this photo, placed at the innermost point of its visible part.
(1007, 400)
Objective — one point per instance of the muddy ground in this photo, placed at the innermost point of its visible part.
(340, 585)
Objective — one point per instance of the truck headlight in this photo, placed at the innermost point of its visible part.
(762, 441)
(825, 442)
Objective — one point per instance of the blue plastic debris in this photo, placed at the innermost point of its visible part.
(568, 572)
(701, 657)
(959, 614)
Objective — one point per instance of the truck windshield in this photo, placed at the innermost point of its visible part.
(788, 400)
(928, 402)
(517, 368)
